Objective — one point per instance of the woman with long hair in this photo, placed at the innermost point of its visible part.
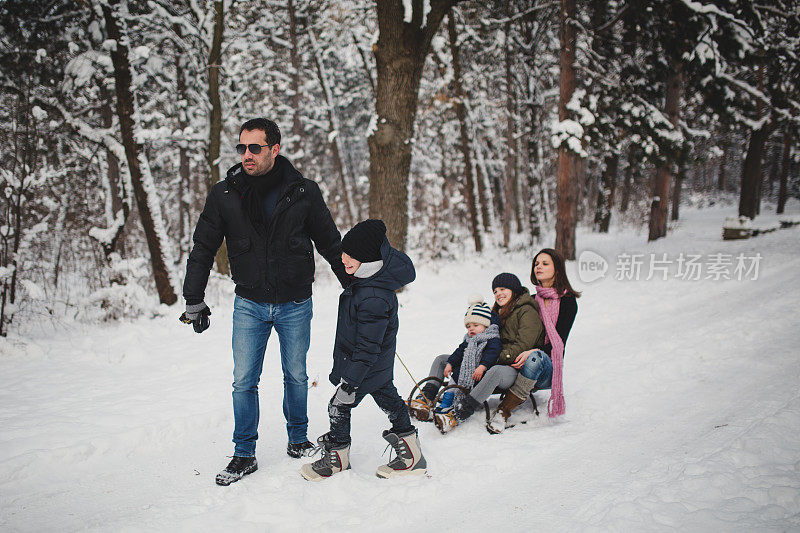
(520, 329)
(543, 368)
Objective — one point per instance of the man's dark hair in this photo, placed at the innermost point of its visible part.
(269, 128)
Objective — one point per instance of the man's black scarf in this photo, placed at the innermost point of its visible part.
(257, 187)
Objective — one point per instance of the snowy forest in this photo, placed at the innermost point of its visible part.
(654, 143)
(465, 125)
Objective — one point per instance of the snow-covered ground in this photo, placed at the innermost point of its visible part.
(683, 411)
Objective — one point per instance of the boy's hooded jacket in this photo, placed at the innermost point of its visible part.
(366, 332)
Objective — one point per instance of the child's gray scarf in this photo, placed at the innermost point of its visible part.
(472, 354)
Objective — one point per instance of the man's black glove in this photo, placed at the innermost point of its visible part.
(345, 394)
(197, 315)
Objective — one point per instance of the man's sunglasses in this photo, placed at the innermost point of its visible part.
(254, 148)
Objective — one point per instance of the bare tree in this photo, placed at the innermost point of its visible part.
(215, 116)
(294, 86)
(461, 113)
(142, 181)
(787, 148)
(722, 176)
(677, 187)
(567, 187)
(335, 134)
(751, 174)
(511, 153)
(404, 41)
(605, 193)
(660, 204)
(183, 146)
(118, 198)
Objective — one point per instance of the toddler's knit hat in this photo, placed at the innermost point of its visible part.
(478, 312)
(363, 242)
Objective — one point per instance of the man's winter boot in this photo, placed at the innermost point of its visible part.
(335, 458)
(421, 407)
(499, 420)
(409, 460)
(237, 469)
(300, 449)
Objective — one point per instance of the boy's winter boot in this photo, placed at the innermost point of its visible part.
(236, 470)
(462, 409)
(421, 407)
(445, 421)
(447, 402)
(499, 420)
(335, 458)
(409, 460)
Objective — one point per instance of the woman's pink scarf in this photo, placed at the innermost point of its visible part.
(549, 314)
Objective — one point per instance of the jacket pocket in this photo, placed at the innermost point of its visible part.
(301, 246)
(300, 262)
(237, 247)
(242, 263)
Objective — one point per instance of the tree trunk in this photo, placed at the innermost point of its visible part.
(8, 251)
(116, 189)
(567, 186)
(461, 113)
(774, 165)
(215, 115)
(535, 215)
(509, 207)
(760, 179)
(660, 204)
(400, 54)
(294, 87)
(608, 179)
(751, 174)
(485, 195)
(676, 188)
(183, 147)
(605, 194)
(443, 171)
(334, 134)
(535, 186)
(153, 227)
(722, 180)
(627, 184)
(215, 118)
(112, 164)
(519, 196)
(787, 148)
(765, 136)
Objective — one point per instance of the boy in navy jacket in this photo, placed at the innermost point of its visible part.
(363, 354)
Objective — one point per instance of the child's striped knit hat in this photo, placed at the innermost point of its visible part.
(478, 312)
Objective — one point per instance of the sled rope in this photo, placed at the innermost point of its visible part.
(404, 366)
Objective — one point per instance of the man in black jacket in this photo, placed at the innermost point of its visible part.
(269, 214)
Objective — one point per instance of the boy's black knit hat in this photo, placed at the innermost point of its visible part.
(507, 281)
(363, 242)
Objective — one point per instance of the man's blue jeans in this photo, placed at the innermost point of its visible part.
(252, 325)
(539, 368)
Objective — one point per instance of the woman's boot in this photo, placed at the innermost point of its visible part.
(510, 401)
